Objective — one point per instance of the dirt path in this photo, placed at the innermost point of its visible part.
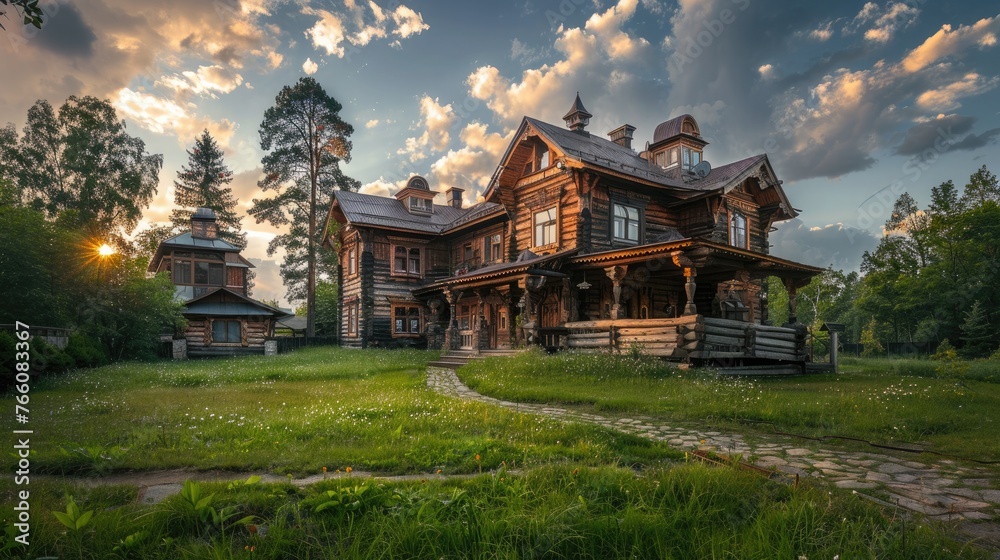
(946, 489)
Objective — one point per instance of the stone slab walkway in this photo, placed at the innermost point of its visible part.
(945, 489)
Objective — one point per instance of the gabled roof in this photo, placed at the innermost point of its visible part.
(381, 211)
(526, 262)
(600, 152)
(227, 303)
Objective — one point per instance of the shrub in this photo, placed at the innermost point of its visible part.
(86, 350)
(49, 358)
(945, 352)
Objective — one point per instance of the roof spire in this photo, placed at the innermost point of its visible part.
(577, 118)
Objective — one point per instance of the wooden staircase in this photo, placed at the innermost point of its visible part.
(458, 358)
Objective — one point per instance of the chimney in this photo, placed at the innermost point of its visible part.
(203, 224)
(454, 196)
(622, 135)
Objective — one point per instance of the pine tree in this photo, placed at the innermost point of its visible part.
(976, 332)
(202, 182)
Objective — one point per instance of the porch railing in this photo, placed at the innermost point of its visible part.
(696, 337)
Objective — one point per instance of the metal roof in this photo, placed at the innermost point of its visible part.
(372, 210)
(210, 304)
(186, 240)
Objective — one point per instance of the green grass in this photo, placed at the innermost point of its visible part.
(880, 400)
(687, 511)
(294, 413)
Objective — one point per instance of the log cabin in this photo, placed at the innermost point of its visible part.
(579, 242)
(210, 277)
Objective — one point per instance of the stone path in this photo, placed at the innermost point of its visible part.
(946, 490)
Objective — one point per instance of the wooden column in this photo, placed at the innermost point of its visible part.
(617, 274)
(791, 287)
(451, 340)
(689, 289)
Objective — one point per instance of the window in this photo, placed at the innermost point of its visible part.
(226, 331)
(543, 158)
(182, 272)
(467, 252)
(406, 320)
(545, 227)
(352, 318)
(502, 319)
(626, 223)
(492, 248)
(352, 262)
(414, 261)
(737, 230)
(208, 274)
(420, 204)
(464, 317)
(406, 261)
(691, 157)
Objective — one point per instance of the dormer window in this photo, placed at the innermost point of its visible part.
(420, 205)
(667, 158)
(691, 157)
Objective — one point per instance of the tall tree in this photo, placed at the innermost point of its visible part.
(82, 160)
(982, 187)
(305, 140)
(202, 182)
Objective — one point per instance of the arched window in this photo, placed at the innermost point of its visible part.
(737, 230)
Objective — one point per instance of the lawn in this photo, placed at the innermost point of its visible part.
(546, 490)
(680, 512)
(947, 409)
(295, 413)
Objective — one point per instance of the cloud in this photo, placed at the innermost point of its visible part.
(65, 33)
(360, 24)
(436, 120)
(947, 42)
(835, 245)
(382, 187)
(974, 142)
(206, 81)
(946, 98)
(372, 123)
(607, 27)
(161, 115)
(897, 15)
(923, 136)
(766, 71)
(471, 167)
(309, 67)
(823, 32)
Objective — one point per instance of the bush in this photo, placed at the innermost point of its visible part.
(48, 358)
(945, 352)
(86, 351)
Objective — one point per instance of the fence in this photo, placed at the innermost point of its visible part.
(289, 343)
(893, 349)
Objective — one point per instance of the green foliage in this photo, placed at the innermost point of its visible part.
(85, 350)
(56, 167)
(49, 358)
(202, 183)
(977, 334)
(945, 352)
(872, 346)
(305, 141)
(73, 519)
(29, 11)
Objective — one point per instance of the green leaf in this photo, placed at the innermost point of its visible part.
(82, 521)
(66, 520)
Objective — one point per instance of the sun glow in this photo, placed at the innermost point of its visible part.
(106, 250)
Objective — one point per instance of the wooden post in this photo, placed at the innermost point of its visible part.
(617, 274)
(833, 350)
(792, 301)
(689, 289)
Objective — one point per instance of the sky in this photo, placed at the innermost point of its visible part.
(854, 102)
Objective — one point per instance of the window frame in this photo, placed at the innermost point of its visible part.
(410, 311)
(736, 217)
(407, 255)
(352, 318)
(553, 222)
(421, 205)
(352, 261)
(228, 331)
(627, 220)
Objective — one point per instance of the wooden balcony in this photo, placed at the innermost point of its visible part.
(690, 338)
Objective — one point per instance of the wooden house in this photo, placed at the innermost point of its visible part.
(210, 277)
(580, 242)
